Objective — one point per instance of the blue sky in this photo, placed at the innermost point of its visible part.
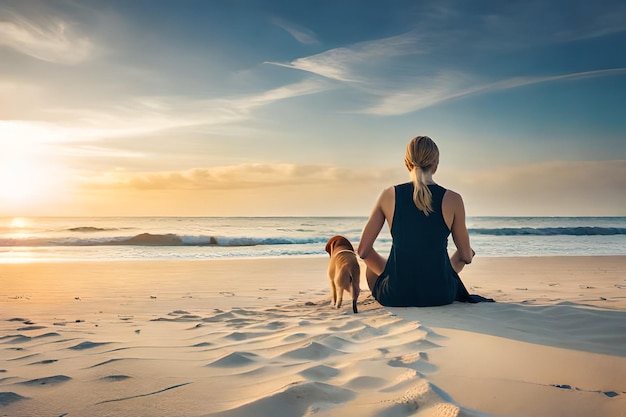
(305, 107)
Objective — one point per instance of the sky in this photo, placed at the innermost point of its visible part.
(304, 108)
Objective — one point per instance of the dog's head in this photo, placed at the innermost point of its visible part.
(338, 242)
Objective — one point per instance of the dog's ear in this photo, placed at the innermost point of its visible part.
(330, 244)
(343, 242)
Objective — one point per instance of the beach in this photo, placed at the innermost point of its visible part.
(257, 337)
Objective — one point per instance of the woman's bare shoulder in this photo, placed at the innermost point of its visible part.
(389, 191)
(453, 196)
(386, 202)
(452, 200)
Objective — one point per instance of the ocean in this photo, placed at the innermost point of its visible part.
(151, 238)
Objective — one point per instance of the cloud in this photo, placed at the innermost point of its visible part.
(547, 188)
(35, 134)
(302, 88)
(447, 86)
(244, 176)
(148, 115)
(53, 40)
(562, 188)
(301, 34)
(386, 74)
(346, 64)
(431, 91)
(152, 114)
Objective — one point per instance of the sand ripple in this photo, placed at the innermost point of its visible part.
(301, 359)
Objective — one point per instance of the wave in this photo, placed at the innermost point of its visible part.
(85, 238)
(88, 229)
(551, 231)
(149, 239)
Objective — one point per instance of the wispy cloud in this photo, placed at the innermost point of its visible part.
(448, 86)
(152, 114)
(547, 188)
(348, 63)
(386, 73)
(149, 115)
(260, 175)
(53, 40)
(301, 34)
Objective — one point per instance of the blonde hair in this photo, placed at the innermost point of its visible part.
(422, 155)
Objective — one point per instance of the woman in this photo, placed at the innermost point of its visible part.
(421, 215)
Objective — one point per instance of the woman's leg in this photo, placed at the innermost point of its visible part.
(375, 266)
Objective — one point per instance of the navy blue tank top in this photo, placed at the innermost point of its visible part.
(418, 271)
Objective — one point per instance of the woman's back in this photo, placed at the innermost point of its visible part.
(412, 228)
(418, 271)
(421, 216)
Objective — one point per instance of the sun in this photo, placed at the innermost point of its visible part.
(26, 177)
(20, 179)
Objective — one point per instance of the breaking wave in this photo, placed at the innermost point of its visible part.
(149, 239)
(89, 237)
(551, 231)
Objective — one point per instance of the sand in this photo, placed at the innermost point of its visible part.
(257, 337)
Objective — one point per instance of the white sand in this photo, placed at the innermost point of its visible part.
(258, 338)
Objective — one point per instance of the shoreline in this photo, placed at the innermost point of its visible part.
(26, 261)
(240, 337)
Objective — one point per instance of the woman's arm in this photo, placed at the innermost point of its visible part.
(464, 253)
(374, 261)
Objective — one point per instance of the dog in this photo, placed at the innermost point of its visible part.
(343, 270)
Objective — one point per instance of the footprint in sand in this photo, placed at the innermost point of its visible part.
(312, 351)
(235, 359)
(609, 394)
(44, 362)
(297, 399)
(49, 380)
(417, 361)
(203, 344)
(177, 313)
(7, 398)
(114, 378)
(319, 373)
(28, 328)
(422, 395)
(88, 345)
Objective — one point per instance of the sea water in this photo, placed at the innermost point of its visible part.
(151, 238)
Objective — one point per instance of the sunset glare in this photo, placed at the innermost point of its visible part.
(23, 182)
(244, 108)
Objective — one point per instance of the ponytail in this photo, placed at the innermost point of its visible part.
(422, 197)
(421, 155)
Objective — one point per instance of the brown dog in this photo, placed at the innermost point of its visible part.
(343, 270)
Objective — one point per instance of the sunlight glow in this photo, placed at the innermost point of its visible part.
(18, 223)
(28, 176)
(17, 228)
